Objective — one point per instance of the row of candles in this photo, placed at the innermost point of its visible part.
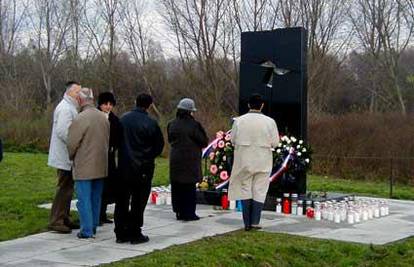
(350, 209)
(160, 195)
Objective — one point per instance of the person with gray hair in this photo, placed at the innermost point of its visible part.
(187, 137)
(63, 115)
(88, 143)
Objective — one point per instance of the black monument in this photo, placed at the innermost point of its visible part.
(273, 64)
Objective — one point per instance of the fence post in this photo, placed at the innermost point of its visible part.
(391, 176)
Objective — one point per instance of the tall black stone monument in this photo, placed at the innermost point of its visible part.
(273, 64)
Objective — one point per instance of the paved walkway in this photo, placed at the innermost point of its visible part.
(52, 249)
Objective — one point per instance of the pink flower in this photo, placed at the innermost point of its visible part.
(212, 155)
(221, 144)
(213, 169)
(220, 134)
(224, 175)
(227, 137)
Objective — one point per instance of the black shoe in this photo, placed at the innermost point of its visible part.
(63, 229)
(103, 221)
(247, 228)
(72, 225)
(178, 216)
(107, 221)
(141, 239)
(122, 240)
(82, 236)
(255, 227)
(192, 218)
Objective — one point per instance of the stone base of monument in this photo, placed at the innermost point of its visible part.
(208, 197)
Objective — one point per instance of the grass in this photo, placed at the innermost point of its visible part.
(26, 181)
(366, 188)
(266, 249)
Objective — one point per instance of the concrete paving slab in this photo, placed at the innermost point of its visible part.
(88, 255)
(376, 231)
(52, 249)
(29, 247)
(39, 263)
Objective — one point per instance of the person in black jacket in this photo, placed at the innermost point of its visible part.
(142, 142)
(187, 137)
(1, 150)
(106, 102)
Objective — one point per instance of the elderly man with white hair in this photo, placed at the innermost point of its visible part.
(88, 143)
(63, 115)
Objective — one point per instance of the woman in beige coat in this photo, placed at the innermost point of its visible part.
(253, 136)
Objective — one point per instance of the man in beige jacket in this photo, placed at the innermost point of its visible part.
(253, 136)
(88, 142)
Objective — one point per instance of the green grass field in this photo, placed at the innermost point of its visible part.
(26, 181)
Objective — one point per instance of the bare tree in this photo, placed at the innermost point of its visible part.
(102, 19)
(11, 17)
(137, 33)
(197, 26)
(255, 15)
(50, 22)
(385, 29)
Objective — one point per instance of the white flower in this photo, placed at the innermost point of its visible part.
(220, 167)
(300, 142)
(284, 146)
(288, 141)
(224, 158)
(285, 138)
(298, 146)
(304, 150)
(278, 151)
(293, 139)
(299, 154)
(307, 160)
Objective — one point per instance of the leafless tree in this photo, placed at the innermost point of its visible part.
(138, 33)
(101, 21)
(385, 29)
(50, 22)
(197, 26)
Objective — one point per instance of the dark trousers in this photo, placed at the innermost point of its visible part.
(134, 190)
(59, 214)
(252, 211)
(183, 198)
(108, 196)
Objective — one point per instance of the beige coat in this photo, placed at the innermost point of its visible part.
(88, 142)
(253, 135)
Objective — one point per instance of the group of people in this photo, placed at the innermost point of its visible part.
(110, 160)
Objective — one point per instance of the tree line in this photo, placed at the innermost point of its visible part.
(360, 53)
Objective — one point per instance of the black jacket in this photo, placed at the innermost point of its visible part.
(187, 137)
(1, 150)
(142, 142)
(111, 183)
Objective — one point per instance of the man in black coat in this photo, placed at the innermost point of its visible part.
(1, 150)
(142, 142)
(187, 138)
(106, 102)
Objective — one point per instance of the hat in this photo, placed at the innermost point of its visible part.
(187, 104)
(106, 97)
